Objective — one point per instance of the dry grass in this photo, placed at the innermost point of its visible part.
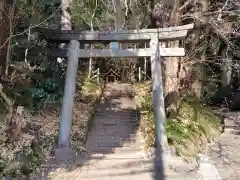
(47, 120)
(83, 109)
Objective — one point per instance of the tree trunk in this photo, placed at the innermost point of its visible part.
(91, 45)
(5, 33)
(197, 84)
(160, 18)
(227, 68)
(66, 23)
(171, 82)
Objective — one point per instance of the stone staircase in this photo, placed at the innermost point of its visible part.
(114, 148)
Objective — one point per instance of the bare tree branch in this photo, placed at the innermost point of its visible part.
(30, 27)
(186, 4)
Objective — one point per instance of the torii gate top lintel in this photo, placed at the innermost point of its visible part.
(170, 33)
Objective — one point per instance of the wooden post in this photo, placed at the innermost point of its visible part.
(90, 68)
(139, 74)
(69, 93)
(98, 75)
(145, 64)
(159, 110)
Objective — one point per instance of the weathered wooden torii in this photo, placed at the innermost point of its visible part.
(155, 52)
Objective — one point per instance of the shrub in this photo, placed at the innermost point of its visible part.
(188, 133)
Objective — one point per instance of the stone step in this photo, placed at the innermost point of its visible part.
(102, 172)
(134, 154)
(113, 132)
(100, 150)
(114, 144)
(118, 126)
(127, 157)
(111, 167)
(128, 149)
(103, 148)
(115, 149)
(86, 173)
(108, 139)
(117, 111)
(116, 118)
(96, 145)
(114, 122)
(176, 162)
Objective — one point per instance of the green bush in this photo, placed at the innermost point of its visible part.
(45, 88)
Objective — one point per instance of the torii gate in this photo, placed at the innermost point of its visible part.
(155, 52)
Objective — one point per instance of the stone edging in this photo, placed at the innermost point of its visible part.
(92, 115)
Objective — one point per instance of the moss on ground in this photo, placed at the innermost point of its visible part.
(189, 133)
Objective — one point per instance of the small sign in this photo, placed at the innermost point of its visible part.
(114, 45)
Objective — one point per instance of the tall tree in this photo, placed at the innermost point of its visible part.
(171, 84)
(66, 20)
(164, 14)
(200, 48)
(6, 31)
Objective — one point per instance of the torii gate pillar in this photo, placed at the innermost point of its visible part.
(159, 110)
(65, 152)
